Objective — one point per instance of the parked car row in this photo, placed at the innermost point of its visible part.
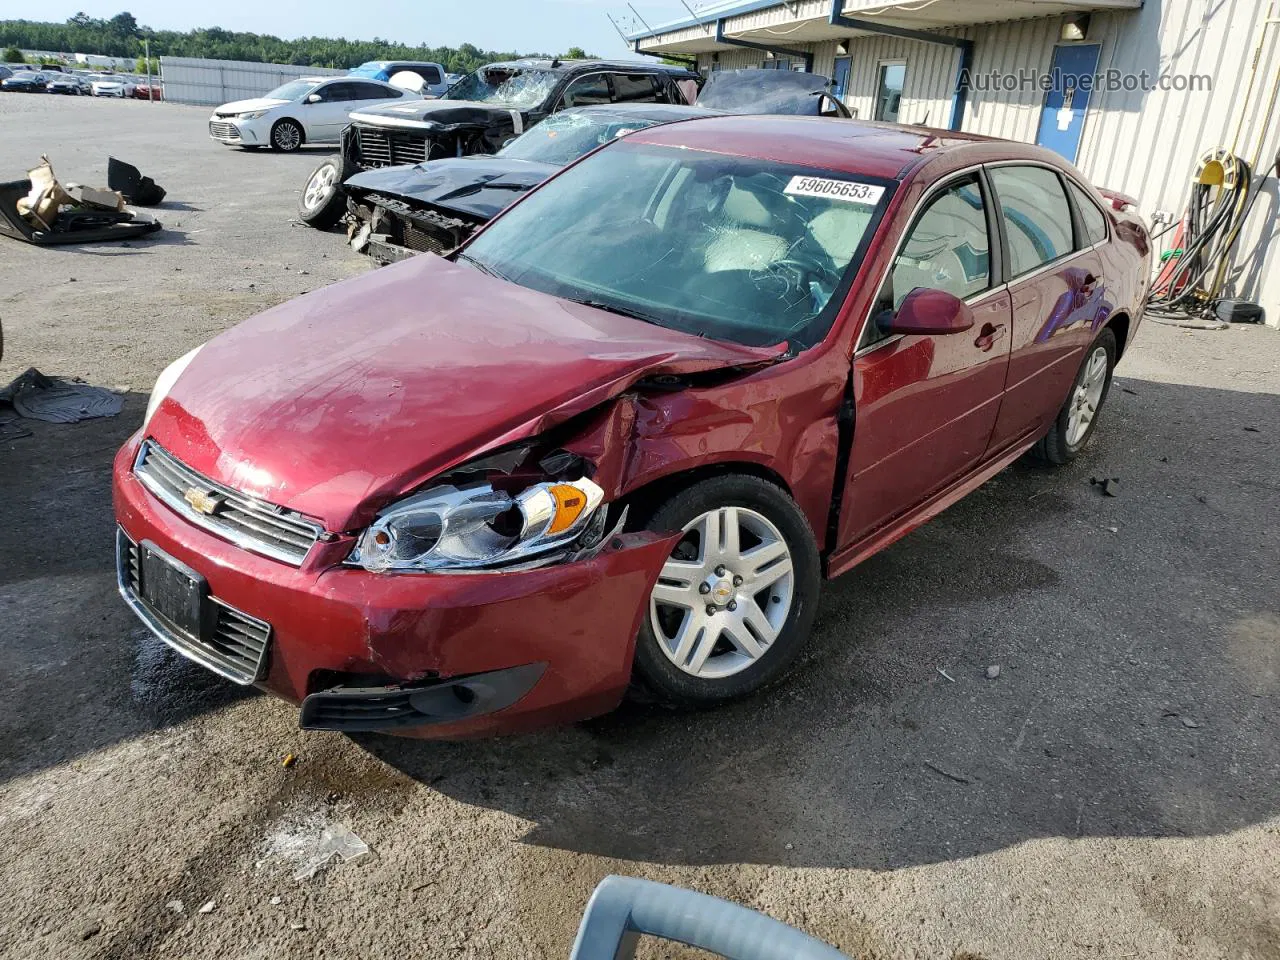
(47, 80)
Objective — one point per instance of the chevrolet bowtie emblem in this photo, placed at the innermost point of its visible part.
(202, 501)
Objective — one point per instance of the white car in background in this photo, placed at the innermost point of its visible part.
(104, 85)
(306, 110)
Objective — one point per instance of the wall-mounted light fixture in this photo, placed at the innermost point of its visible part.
(842, 48)
(1075, 29)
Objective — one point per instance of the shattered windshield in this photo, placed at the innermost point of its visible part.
(513, 86)
(292, 90)
(735, 248)
(561, 139)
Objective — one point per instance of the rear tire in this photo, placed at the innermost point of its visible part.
(286, 136)
(1078, 417)
(323, 200)
(730, 611)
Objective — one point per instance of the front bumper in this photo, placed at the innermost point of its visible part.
(235, 132)
(350, 643)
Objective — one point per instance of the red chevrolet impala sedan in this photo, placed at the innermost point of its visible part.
(622, 435)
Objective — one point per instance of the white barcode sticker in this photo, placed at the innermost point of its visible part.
(847, 190)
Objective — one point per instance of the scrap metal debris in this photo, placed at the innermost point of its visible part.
(37, 397)
(40, 210)
(128, 181)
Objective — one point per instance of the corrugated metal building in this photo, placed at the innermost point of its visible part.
(1176, 78)
(214, 82)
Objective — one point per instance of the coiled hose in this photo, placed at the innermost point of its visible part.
(1185, 290)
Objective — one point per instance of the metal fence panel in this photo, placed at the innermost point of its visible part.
(213, 82)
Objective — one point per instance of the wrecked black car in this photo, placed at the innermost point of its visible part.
(433, 207)
(485, 109)
(399, 211)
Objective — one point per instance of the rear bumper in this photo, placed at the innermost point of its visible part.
(436, 643)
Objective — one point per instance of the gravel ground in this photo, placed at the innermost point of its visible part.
(1114, 792)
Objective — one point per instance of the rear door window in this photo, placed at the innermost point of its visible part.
(633, 87)
(1095, 221)
(370, 91)
(1037, 217)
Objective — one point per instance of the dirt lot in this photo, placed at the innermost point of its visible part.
(1115, 792)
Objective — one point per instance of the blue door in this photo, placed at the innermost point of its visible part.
(1062, 118)
(840, 82)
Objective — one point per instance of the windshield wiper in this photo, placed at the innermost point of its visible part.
(482, 267)
(620, 311)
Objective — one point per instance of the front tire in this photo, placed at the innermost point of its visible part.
(323, 200)
(286, 136)
(735, 602)
(1078, 417)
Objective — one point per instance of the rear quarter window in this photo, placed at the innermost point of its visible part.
(1095, 221)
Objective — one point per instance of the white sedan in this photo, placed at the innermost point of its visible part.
(306, 110)
(109, 86)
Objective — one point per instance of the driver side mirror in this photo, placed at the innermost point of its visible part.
(927, 311)
(312, 98)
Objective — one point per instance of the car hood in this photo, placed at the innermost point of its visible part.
(338, 402)
(478, 186)
(244, 106)
(444, 112)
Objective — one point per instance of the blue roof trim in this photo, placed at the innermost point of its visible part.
(709, 16)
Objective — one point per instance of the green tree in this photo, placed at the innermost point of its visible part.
(141, 65)
(123, 25)
(119, 37)
(14, 55)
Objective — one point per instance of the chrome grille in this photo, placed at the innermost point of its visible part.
(223, 131)
(236, 645)
(246, 521)
(387, 148)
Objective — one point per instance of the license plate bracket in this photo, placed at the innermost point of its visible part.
(173, 590)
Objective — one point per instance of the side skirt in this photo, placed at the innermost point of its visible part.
(845, 560)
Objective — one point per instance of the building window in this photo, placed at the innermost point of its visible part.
(893, 76)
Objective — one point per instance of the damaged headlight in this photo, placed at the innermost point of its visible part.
(478, 527)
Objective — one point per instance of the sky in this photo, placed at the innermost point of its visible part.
(525, 26)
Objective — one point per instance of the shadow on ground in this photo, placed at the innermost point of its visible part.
(81, 673)
(1138, 639)
(1139, 644)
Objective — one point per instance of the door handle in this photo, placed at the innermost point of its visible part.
(989, 335)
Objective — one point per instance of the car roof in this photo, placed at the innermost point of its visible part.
(861, 147)
(575, 66)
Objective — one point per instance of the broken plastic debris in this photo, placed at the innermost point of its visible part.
(335, 841)
(208, 906)
(288, 761)
(176, 906)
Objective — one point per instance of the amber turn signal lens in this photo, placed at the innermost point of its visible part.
(570, 502)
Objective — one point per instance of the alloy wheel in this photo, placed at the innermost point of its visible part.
(287, 136)
(320, 186)
(1087, 396)
(724, 595)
